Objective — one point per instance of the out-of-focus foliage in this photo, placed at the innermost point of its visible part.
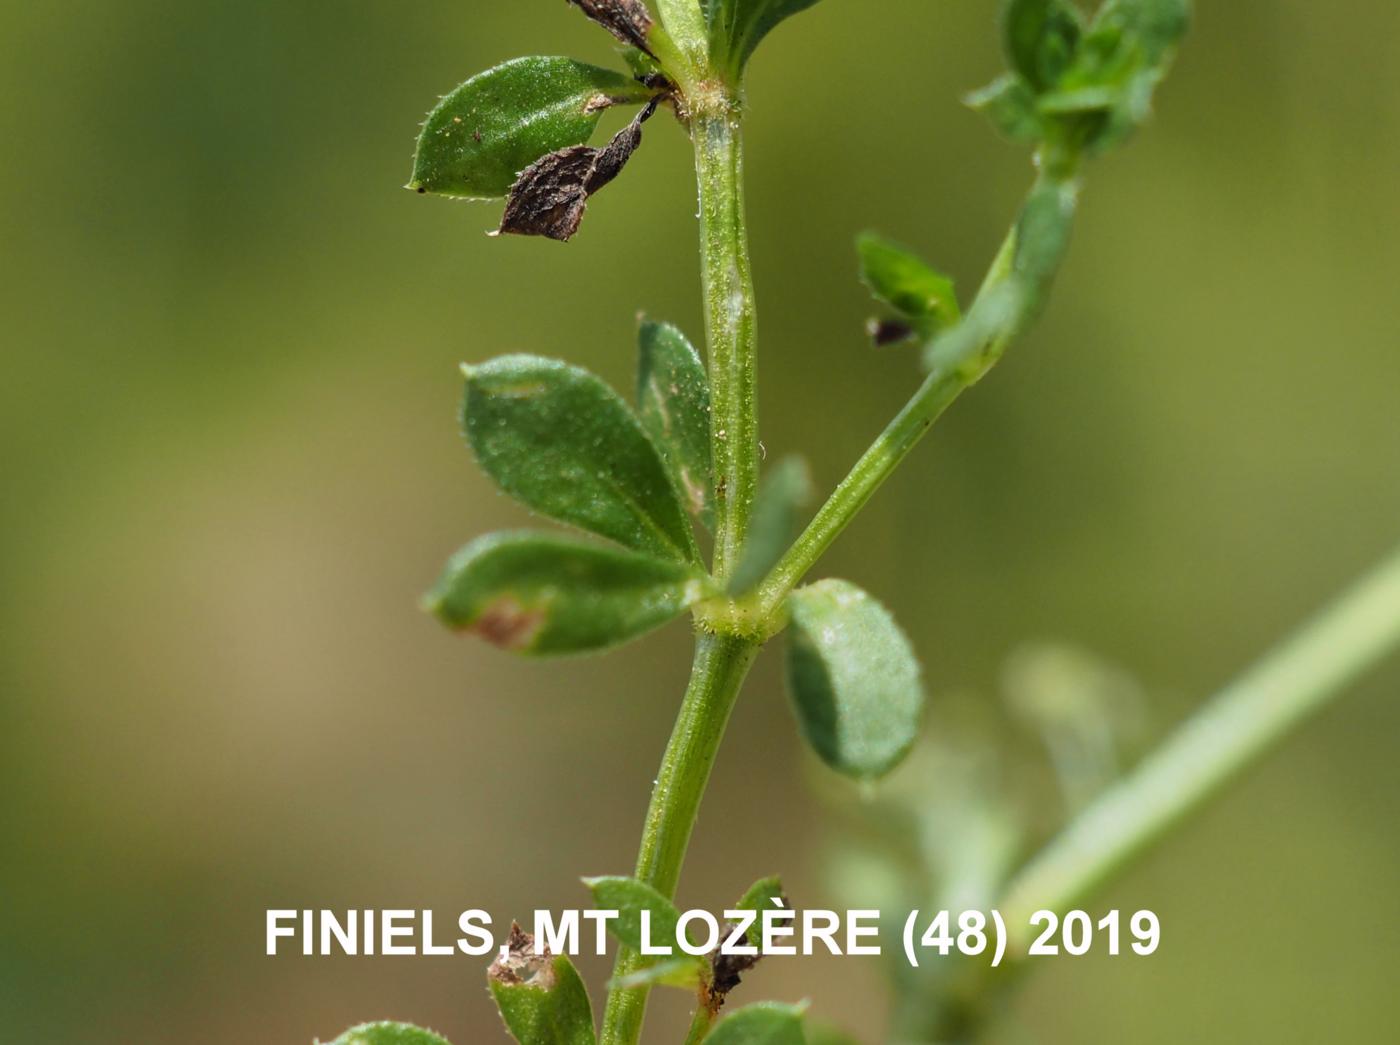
(230, 340)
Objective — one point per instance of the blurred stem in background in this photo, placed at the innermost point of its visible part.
(1236, 729)
(1239, 726)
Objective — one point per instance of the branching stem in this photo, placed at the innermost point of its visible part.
(1007, 301)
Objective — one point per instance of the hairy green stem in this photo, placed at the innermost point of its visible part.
(721, 661)
(721, 665)
(731, 327)
(1006, 303)
(1238, 727)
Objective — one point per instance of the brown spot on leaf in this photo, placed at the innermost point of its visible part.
(550, 196)
(521, 965)
(628, 20)
(509, 624)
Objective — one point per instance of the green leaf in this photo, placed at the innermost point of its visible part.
(1040, 37)
(1010, 104)
(853, 679)
(564, 444)
(826, 1034)
(1106, 93)
(1157, 26)
(901, 280)
(540, 997)
(738, 26)
(544, 594)
(673, 400)
(481, 136)
(772, 523)
(766, 894)
(767, 1023)
(388, 1034)
(629, 898)
(683, 972)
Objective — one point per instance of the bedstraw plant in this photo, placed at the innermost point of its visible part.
(643, 476)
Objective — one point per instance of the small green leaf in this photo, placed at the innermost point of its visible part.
(1010, 104)
(766, 894)
(1157, 26)
(773, 522)
(1041, 37)
(737, 27)
(684, 973)
(541, 998)
(561, 442)
(545, 595)
(901, 280)
(853, 679)
(767, 1023)
(388, 1034)
(1106, 93)
(629, 898)
(673, 400)
(481, 136)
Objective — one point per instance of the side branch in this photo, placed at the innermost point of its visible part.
(1009, 300)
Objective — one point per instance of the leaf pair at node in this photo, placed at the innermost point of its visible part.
(1081, 84)
(561, 442)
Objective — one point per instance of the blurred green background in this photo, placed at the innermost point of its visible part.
(232, 464)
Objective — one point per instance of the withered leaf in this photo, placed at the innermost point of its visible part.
(550, 196)
(628, 20)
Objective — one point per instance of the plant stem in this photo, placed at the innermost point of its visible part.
(1240, 725)
(722, 661)
(731, 325)
(1006, 303)
(721, 665)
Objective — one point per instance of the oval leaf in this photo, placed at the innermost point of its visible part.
(901, 280)
(388, 1034)
(629, 898)
(673, 400)
(561, 442)
(766, 894)
(481, 136)
(1011, 105)
(853, 678)
(545, 595)
(1041, 37)
(737, 27)
(540, 997)
(767, 1023)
